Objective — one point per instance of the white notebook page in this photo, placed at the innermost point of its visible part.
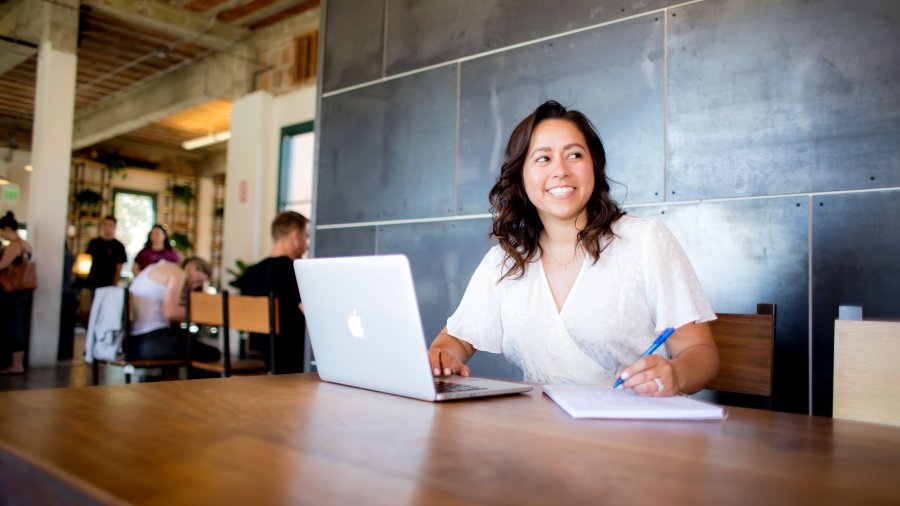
(605, 402)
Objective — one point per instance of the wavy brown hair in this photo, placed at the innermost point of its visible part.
(517, 225)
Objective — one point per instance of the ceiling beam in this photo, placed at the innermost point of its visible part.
(217, 75)
(197, 28)
(20, 32)
(224, 73)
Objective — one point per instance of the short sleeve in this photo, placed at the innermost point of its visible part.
(477, 319)
(674, 294)
(141, 258)
(121, 257)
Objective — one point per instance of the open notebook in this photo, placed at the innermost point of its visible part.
(605, 402)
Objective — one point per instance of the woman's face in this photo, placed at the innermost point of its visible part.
(8, 233)
(157, 237)
(195, 279)
(558, 173)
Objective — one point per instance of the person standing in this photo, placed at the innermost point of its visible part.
(290, 237)
(157, 248)
(107, 256)
(15, 308)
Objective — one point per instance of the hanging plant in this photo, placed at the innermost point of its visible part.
(114, 162)
(183, 193)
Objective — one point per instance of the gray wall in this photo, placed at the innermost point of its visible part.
(764, 133)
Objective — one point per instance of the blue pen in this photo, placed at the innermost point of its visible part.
(656, 344)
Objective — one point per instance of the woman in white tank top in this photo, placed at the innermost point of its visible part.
(156, 295)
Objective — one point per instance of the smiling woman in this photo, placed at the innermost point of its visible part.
(582, 325)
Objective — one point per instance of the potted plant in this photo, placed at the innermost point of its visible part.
(181, 242)
(89, 201)
(183, 193)
(238, 274)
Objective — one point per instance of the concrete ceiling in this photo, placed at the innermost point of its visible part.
(151, 73)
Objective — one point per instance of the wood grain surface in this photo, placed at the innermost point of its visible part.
(292, 439)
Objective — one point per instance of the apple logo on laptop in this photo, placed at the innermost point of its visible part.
(355, 324)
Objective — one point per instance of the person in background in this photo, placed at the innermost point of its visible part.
(156, 248)
(290, 237)
(576, 290)
(156, 294)
(15, 308)
(107, 256)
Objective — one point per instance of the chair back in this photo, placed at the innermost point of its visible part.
(746, 345)
(865, 376)
(251, 313)
(246, 313)
(205, 308)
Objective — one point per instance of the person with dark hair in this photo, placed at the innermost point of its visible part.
(15, 308)
(576, 289)
(290, 240)
(156, 301)
(155, 249)
(107, 256)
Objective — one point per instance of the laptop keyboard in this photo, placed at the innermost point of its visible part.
(442, 387)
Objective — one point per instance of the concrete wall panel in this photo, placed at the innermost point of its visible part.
(613, 74)
(387, 151)
(783, 96)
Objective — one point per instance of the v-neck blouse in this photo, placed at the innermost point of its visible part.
(641, 284)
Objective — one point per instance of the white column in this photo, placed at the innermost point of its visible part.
(245, 235)
(203, 242)
(51, 157)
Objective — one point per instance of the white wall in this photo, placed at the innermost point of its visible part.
(253, 153)
(15, 172)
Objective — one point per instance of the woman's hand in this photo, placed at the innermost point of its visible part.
(445, 362)
(652, 375)
(449, 354)
(694, 362)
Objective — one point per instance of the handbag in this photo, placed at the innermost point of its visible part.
(19, 277)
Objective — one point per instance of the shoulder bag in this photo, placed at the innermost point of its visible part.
(19, 277)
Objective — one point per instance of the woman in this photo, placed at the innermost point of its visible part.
(14, 307)
(156, 294)
(576, 290)
(155, 249)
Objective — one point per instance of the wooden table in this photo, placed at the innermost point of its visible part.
(293, 439)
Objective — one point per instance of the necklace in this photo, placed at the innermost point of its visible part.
(564, 265)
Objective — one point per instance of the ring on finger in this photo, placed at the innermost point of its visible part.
(659, 385)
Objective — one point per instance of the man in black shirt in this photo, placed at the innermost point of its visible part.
(107, 256)
(290, 237)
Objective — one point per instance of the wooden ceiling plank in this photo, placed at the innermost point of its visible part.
(262, 12)
(171, 20)
(293, 11)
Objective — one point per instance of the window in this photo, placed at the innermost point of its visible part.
(296, 168)
(135, 214)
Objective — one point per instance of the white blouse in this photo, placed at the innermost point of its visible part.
(642, 284)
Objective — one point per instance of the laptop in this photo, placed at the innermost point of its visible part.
(364, 327)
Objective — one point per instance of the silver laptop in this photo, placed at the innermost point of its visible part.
(364, 327)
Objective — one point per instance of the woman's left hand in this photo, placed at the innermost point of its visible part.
(652, 375)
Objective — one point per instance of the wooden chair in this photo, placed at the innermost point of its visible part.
(245, 313)
(746, 345)
(865, 375)
(130, 365)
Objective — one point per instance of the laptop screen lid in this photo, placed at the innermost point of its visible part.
(364, 324)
